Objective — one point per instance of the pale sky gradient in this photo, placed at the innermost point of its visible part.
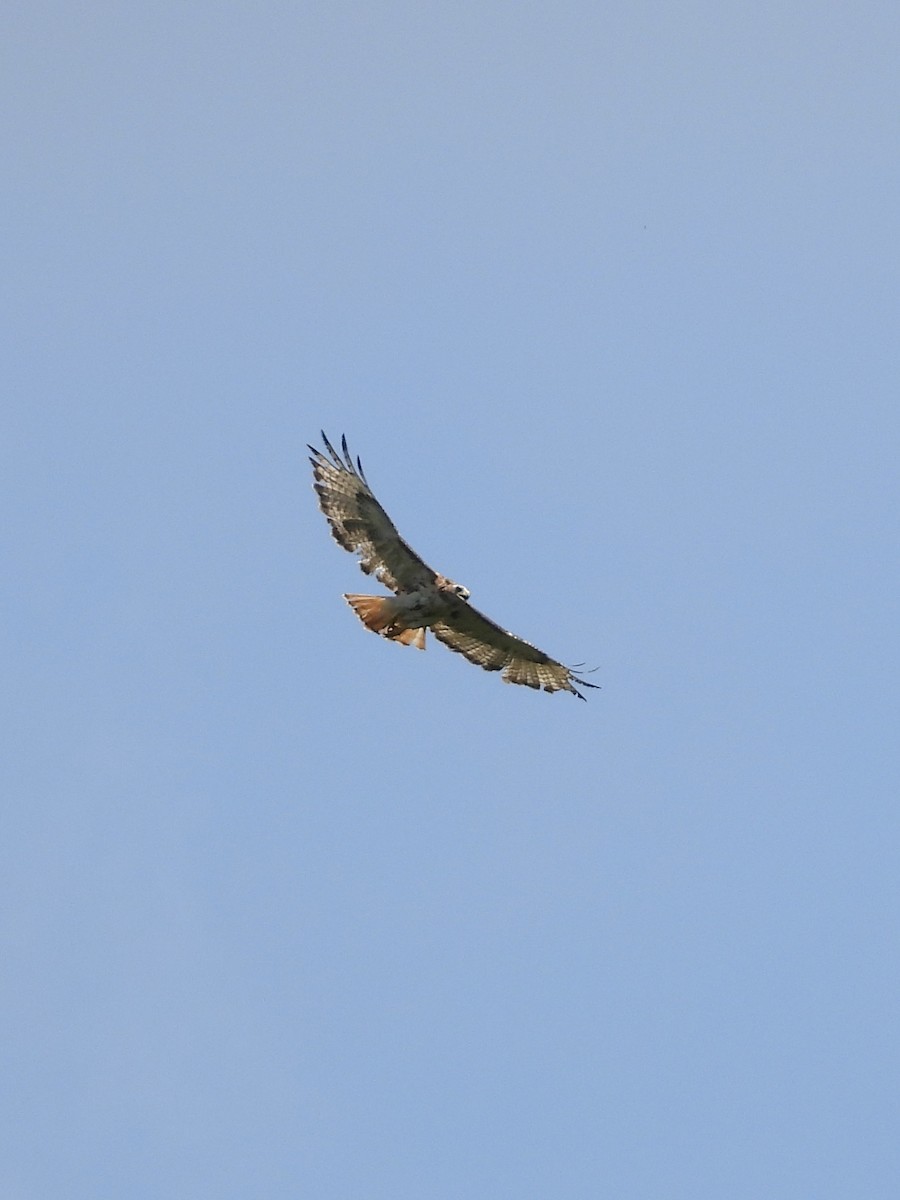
(607, 299)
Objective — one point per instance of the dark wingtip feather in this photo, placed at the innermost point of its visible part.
(575, 677)
(347, 459)
(331, 450)
(584, 682)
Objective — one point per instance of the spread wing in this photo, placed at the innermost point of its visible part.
(473, 635)
(360, 524)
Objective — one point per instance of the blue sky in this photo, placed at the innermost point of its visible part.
(606, 298)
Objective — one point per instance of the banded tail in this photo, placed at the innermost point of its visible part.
(378, 613)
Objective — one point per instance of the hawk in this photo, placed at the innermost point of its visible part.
(423, 599)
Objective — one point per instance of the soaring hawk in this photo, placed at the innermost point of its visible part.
(423, 599)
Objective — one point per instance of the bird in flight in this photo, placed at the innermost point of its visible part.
(422, 598)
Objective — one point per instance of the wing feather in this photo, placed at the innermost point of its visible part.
(360, 524)
(488, 645)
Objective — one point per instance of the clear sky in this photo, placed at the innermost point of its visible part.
(606, 297)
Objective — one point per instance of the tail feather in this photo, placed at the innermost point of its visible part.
(378, 612)
(375, 612)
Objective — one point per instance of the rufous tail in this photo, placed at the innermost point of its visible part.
(378, 612)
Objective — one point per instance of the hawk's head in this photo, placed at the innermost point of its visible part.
(456, 589)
